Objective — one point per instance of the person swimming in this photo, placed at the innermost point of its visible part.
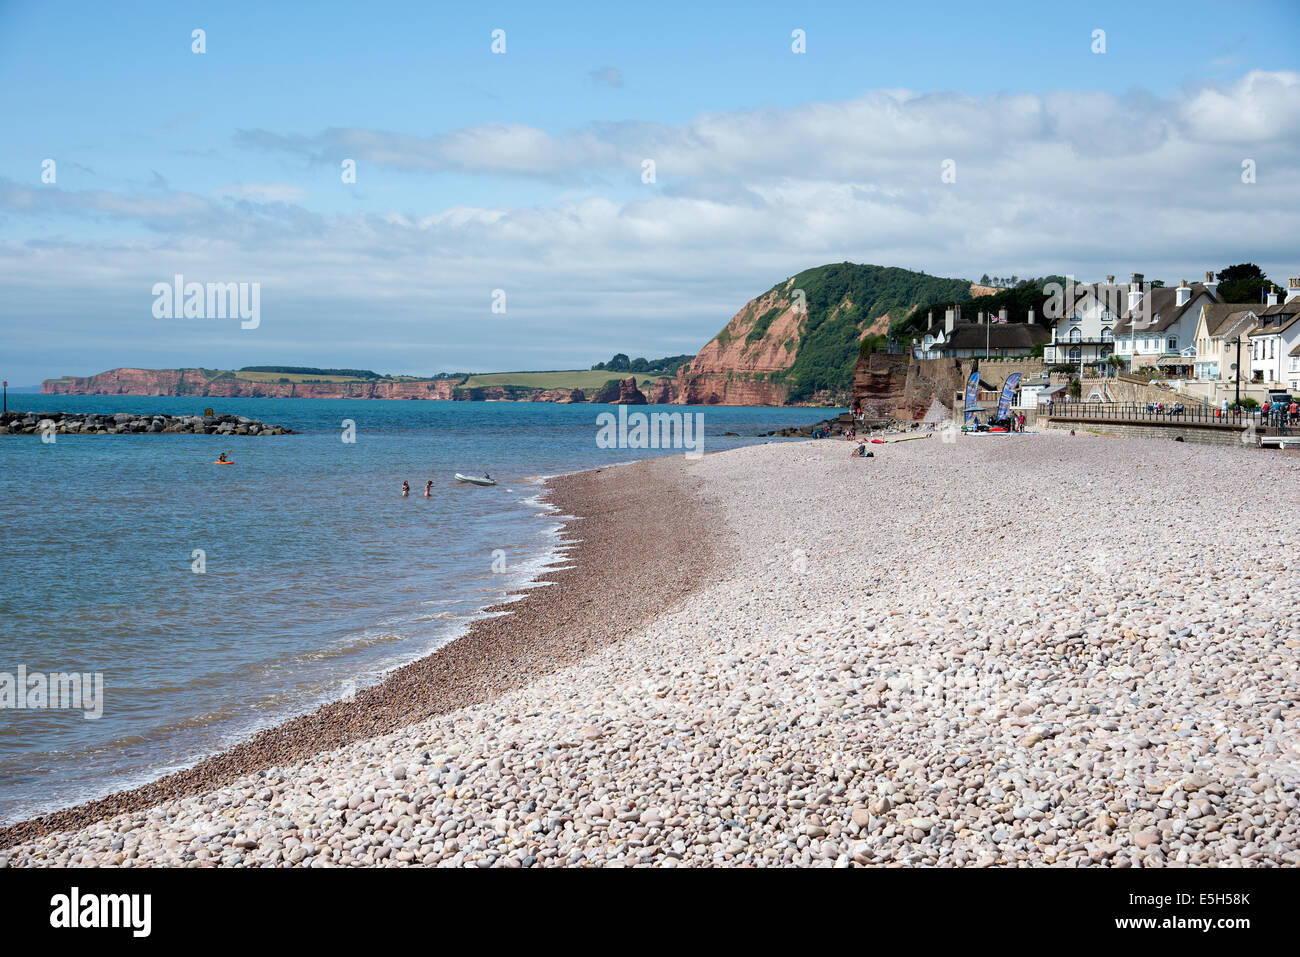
(406, 489)
(428, 488)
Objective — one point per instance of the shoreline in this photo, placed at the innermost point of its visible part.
(608, 514)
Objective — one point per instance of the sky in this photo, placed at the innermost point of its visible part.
(503, 215)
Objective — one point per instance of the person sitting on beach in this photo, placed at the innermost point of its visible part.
(406, 489)
(428, 488)
(859, 452)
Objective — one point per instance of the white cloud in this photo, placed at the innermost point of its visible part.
(1077, 182)
(607, 76)
(262, 192)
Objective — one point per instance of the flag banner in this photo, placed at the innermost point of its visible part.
(1008, 393)
(972, 396)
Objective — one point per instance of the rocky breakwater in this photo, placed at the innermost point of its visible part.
(91, 423)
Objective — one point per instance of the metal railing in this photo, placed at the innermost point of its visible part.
(1173, 413)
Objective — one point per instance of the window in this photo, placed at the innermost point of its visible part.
(1075, 354)
(1075, 334)
(1106, 335)
(1171, 344)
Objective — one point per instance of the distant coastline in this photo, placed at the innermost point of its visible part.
(559, 387)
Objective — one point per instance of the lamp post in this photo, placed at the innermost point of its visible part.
(1236, 375)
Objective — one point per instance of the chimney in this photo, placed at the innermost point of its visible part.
(929, 320)
(1110, 280)
(1292, 289)
(949, 319)
(1272, 296)
(1184, 293)
(1002, 314)
(1211, 284)
(1031, 317)
(981, 317)
(1134, 291)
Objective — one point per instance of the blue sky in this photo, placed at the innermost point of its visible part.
(522, 171)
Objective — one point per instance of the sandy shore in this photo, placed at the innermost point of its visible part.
(614, 517)
(1032, 649)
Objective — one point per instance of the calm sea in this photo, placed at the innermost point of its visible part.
(318, 576)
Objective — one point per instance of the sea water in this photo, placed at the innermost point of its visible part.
(219, 600)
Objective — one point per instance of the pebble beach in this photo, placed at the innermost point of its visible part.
(1037, 649)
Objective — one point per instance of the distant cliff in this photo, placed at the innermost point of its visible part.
(212, 383)
(221, 384)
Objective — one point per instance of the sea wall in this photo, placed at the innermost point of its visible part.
(1204, 433)
(900, 387)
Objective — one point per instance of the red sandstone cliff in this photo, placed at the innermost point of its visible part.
(732, 367)
(200, 382)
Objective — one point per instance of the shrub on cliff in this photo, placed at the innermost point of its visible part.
(842, 300)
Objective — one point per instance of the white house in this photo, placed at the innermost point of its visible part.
(1148, 326)
(1273, 340)
(1159, 326)
(1083, 320)
(962, 340)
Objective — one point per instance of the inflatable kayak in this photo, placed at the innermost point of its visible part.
(476, 479)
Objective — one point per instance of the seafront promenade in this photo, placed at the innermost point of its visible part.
(994, 651)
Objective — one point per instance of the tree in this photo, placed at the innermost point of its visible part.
(620, 363)
(1076, 388)
(984, 279)
(1242, 283)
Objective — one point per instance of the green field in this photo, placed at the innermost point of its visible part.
(584, 379)
(295, 377)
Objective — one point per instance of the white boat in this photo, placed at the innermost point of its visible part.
(476, 479)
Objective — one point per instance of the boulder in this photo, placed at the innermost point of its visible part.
(629, 394)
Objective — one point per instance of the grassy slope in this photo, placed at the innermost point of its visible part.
(297, 377)
(828, 346)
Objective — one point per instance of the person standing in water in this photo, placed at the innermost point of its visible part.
(406, 489)
(428, 488)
